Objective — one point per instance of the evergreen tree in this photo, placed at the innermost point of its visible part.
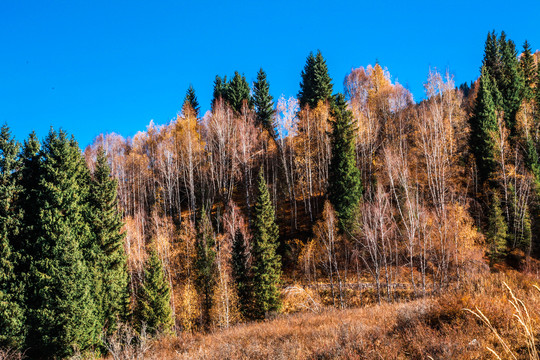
(28, 180)
(266, 262)
(61, 309)
(12, 329)
(191, 99)
(108, 256)
(316, 84)
(153, 302)
(528, 70)
(241, 274)
(537, 92)
(510, 84)
(263, 102)
(497, 230)
(465, 89)
(483, 127)
(220, 89)
(205, 268)
(238, 92)
(492, 59)
(532, 161)
(345, 188)
(306, 85)
(525, 239)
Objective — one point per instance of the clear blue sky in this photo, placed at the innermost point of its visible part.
(102, 66)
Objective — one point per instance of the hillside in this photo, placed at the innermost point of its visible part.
(354, 224)
(438, 327)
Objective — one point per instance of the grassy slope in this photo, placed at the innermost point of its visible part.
(436, 327)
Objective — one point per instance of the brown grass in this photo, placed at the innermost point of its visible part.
(431, 328)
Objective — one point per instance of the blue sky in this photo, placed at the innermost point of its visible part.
(111, 66)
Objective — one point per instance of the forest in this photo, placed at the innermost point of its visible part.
(363, 204)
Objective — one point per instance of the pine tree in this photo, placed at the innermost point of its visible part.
(12, 320)
(266, 262)
(263, 102)
(61, 309)
(191, 99)
(241, 274)
(528, 71)
(238, 92)
(108, 256)
(345, 188)
(153, 298)
(316, 84)
(483, 127)
(497, 230)
(205, 268)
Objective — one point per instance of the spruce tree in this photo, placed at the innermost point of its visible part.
(28, 181)
(316, 84)
(497, 230)
(12, 329)
(532, 161)
(153, 298)
(483, 128)
(266, 262)
(528, 70)
(108, 256)
(524, 240)
(322, 83)
(238, 92)
(220, 89)
(537, 91)
(61, 315)
(306, 85)
(465, 89)
(345, 188)
(263, 102)
(510, 84)
(492, 59)
(241, 274)
(205, 268)
(191, 99)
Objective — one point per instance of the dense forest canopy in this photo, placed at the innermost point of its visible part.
(202, 223)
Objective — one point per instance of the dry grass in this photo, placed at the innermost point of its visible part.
(524, 322)
(9, 354)
(414, 330)
(430, 328)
